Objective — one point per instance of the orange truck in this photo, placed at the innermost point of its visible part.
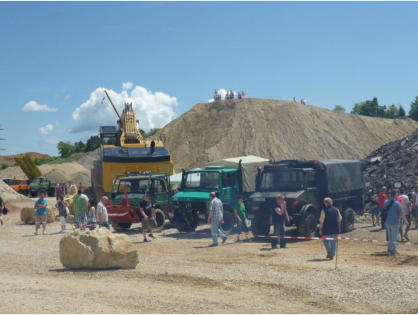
(19, 185)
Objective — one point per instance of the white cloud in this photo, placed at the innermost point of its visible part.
(45, 130)
(34, 106)
(127, 85)
(152, 109)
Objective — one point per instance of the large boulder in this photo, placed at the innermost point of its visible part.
(97, 249)
(27, 215)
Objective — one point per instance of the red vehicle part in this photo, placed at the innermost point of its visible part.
(123, 213)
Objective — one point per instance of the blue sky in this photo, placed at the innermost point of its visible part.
(60, 54)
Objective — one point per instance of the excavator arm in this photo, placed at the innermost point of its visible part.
(28, 166)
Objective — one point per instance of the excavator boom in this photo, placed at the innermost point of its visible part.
(28, 166)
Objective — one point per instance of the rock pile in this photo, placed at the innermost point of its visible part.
(394, 165)
(97, 249)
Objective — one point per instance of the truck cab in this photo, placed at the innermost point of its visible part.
(41, 183)
(128, 191)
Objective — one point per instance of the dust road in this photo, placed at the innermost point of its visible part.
(177, 273)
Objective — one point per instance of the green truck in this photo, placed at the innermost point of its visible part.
(229, 178)
(305, 184)
(135, 185)
(42, 184)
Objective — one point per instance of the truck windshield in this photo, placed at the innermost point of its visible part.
(283, 180)
(204, 180)
(133, 185)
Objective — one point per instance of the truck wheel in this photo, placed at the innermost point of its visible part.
(51, 193)
(260, 226)
(228, 224)
(308, 225)
(160, 219)
(32, 194)
(121, 226)
(185, 223)
(348, 220)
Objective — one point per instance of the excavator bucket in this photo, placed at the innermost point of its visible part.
(28, 166)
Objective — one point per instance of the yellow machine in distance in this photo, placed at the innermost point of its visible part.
(124, 150)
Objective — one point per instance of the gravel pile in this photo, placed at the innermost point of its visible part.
(394, 165)
(10, 195)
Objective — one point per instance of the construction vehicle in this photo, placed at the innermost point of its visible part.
(37, 182)
(228, 178)
(123, 150)
(127, 193)
(305, 184)
(19, 185)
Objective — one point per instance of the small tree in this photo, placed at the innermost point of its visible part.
(413, 111)
(92, 143)
(65, 149)
(79, 147)
(401, 112)
(339, 109)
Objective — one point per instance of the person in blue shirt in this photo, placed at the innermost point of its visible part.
(40, 214)
(394, 212)
(278, 217)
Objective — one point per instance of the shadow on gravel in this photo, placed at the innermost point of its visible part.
(380, 254)
(318, 260)
(66, 270)
(199, 235)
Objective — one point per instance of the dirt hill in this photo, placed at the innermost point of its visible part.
(276, 130)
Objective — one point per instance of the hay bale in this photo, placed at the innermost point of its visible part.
(27, 215)
(97, 249)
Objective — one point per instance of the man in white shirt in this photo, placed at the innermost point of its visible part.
(406, 209)
(102, 216)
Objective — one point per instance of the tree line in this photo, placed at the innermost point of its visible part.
(66, 149)
(374, 109)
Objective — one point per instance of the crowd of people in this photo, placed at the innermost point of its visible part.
(394, 213)
(230, 95)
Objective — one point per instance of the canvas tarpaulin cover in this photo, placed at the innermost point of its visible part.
(249, 163)
(343, 175)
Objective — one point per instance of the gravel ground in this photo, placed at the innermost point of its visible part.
(177, 273)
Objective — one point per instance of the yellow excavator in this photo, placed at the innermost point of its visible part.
(123, 149)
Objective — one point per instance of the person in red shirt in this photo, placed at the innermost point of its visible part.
(382, 198)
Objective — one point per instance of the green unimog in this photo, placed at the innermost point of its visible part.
(229, 178)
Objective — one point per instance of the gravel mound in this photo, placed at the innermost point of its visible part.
(394, 164)
(276, 130)
(10, 195)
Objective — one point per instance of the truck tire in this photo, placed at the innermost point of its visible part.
(32, 194)
(51, 193)
(229, 221)
(308, 225)
(260, 226)
(348, 220)
(121, 226)
(184, 224)
(160, 218)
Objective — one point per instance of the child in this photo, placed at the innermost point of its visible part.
(241, 216)
(62, 210)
